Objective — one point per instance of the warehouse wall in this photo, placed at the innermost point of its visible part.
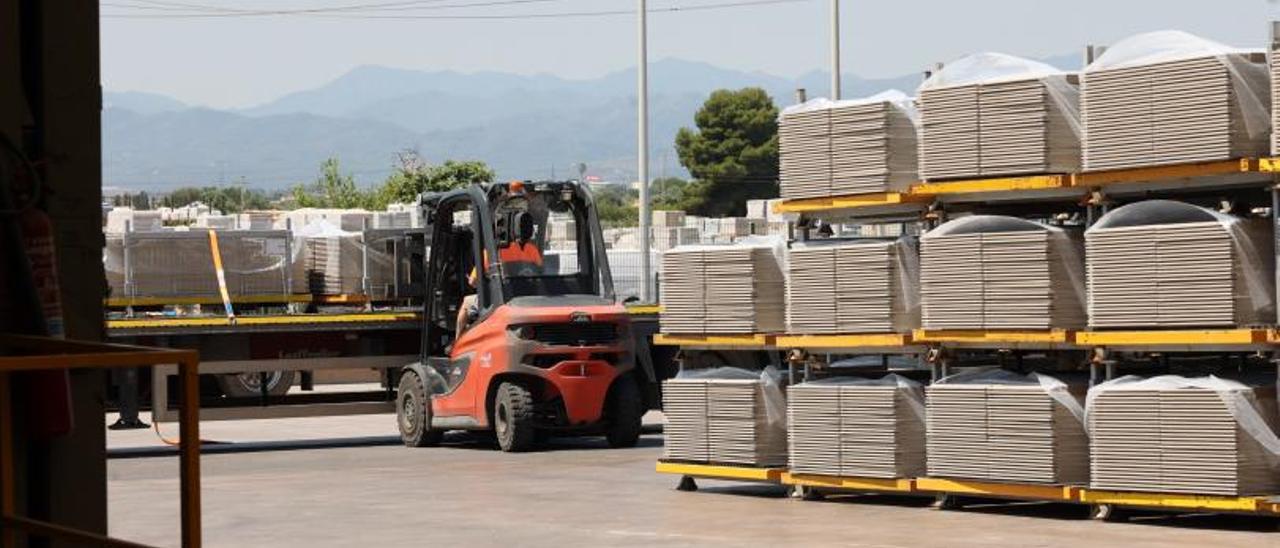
(50, 101)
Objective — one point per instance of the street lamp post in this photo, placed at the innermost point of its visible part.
(642, 100)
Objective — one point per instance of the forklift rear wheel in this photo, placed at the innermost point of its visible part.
(624, 412)
(413, 413)
(513, 418)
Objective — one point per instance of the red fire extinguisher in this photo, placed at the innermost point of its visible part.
(30, 290)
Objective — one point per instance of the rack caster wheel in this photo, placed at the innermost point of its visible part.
(946, 502)
(687, 484)
(807, 493)
(1109, 513)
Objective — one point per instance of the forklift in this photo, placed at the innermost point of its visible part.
(518, 339)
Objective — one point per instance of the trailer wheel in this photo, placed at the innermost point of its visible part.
(249, 385)
(413, 413)
(513, 418)
(624, 410)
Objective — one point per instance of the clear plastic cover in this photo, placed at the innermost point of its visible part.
(1245, 65)
(1256, 262)
(1065, 245)
(1055, 388)
(770, 379)
(179, 264)
(1238, 398)
(913, 389)
(895, 98)
(994, 68)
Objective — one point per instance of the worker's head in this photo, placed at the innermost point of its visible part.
(523, 226)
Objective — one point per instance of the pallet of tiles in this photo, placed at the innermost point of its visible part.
(856, 146)
(725, 416)
(1165, 264)
(179, 264)
(991, 114)
(730, 289)
(851, 427)
(868, 286)
(1174, 434)
(1170, 97)
(1003, 427)
(1000, 273)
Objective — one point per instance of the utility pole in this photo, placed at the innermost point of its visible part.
(642, 100)
(835, 50)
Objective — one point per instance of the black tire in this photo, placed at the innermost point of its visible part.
(413, 413)
(247, 385)
(624, 411)
(513, 418)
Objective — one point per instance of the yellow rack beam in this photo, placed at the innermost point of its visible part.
(1262, 505)
(1181, 171)
(848, 202)
(863, 340)
(1180, 337)
(145, 323)
(899, 485)
(750, 339)
(1001, 184)
(1060, 493)
(723, 472)
(1053, 336)
(643, 309)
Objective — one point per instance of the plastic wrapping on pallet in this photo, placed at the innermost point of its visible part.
(328, 260)
(991, 114)
(180, 264)
(996, 272)
(1202, 435)
(996, 425)
(1170, 97)
(858, 427)
(848, 147)
(853, 286)
(1198, 266)
(726, 415)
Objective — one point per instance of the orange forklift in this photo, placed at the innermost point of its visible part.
(519, 339)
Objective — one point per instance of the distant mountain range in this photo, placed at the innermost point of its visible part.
(523, 126)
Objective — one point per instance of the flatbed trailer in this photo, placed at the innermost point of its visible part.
(293, 348)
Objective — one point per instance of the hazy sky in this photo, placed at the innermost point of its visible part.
(240, 61)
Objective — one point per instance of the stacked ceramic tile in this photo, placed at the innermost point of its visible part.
(722, 289)
(1170, 98)
(992, 114)
(1008, 430)
(1170, 264)
(1275, 100)
(848, 147)
(873, 147)
(804, 153)
(180, 264)
(852, 287)
(1155, 436)
(723, 421)
(856, 428)
(985, 272)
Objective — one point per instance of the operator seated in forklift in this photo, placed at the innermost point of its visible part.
(519, 251)
(533, 345)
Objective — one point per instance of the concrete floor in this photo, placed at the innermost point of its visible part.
(576, 492)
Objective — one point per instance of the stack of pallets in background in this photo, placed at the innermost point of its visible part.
(1180, 439)
(1005, 431)
(856, 428)
(1170, 264)
(852, 287)
(722, 289)
(804, 153)
(992, 114)
(722, 421)
(1170, 98)
(986, 272)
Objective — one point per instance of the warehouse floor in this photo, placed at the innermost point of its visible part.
(577, 492)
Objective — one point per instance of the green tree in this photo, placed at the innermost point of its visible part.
(415, 176)
(233, 199)
(733, 153)
(616, 206)
(332, 189)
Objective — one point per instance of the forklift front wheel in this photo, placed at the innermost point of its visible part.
(413, 413)
(513, 418)
(625, 412)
